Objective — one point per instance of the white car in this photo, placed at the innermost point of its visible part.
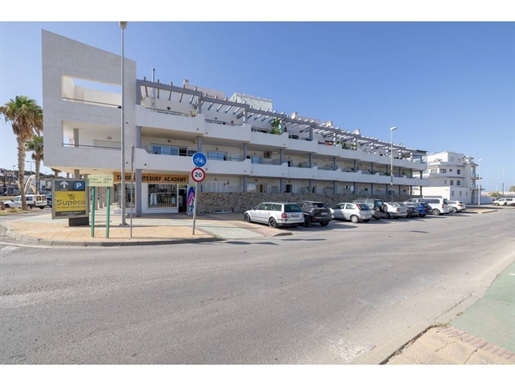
(457, 206)
(275, 214)
(395, 210)
(351, 211)
(32, 200)
(504, 201)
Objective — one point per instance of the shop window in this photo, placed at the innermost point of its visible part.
(162, 196)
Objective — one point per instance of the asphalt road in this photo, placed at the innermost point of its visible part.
(323, 295)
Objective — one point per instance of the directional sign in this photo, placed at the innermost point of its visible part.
(198, 174)
(105, 180)
(199, 159)
(69, 199)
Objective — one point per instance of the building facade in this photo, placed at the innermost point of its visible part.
(250, 147)
(453, 176)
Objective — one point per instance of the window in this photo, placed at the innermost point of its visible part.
(452, 182)
(459, 171)
(217, 155)
(169, 150)
(458, 182)
(443, 170)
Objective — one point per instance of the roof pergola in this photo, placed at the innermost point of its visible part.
(294, 124)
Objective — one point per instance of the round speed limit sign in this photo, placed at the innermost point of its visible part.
(198, 174)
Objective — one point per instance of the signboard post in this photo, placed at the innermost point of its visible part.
(198, 175)
(70, 201)
(104, 180)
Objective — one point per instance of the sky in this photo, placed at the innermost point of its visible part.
(446, 82)
(442, 72)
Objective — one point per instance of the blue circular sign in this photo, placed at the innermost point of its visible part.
(199, 159)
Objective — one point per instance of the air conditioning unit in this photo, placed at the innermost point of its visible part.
(268, 154)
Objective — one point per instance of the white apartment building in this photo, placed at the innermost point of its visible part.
(451, 175)
(250, 147)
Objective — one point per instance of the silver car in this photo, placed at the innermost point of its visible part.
(275, 214)
(395, 210)
(351, 211)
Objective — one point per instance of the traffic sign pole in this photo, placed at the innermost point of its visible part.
(93, 206)
(195, 206)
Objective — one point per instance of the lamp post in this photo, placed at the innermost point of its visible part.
(479, 182)
(391, 154)
(503, 181)
(123, 25)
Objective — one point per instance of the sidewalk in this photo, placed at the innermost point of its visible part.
(481, 330)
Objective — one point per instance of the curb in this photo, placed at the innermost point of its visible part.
(382, 354)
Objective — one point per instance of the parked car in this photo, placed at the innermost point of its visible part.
(504, 201)
(422, 208)
(351, 211)
(375, 205)
(275, 214)
(49, 200)
(439, 205)
(315, 212)
(395, 210)
(32, 200)
(457, 206)
(410, 210)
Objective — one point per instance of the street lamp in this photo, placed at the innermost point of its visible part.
(123, 25)
(479, 182)
(391, 154)
(503, 181)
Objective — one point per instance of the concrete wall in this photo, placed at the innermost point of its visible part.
(209, 202)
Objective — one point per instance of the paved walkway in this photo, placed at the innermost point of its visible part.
(484, 334)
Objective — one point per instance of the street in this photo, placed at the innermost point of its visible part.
(324, 295)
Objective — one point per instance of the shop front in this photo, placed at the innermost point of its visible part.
(161, 193)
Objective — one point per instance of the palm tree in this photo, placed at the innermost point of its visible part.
(26, 118)
(36, 146)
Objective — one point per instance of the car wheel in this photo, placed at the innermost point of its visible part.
(454, 210)
(7, 206)
(30, 207)
(354, 219)
(324, 223)
(388, 215)
(272, 222)
(246, 218)
(307, 221)
(436, 212)
(422, 215)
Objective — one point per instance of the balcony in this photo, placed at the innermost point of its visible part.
(228, 167)
(169, 120)
(228, 132)
(272, 169)
(302, 145)
(149, 161)
(275, 141)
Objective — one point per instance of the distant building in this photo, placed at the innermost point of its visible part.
(451, 175)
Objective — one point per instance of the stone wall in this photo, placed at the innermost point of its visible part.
(209, 202)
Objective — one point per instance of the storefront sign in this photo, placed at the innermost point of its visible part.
(156, 178)
(69, 198)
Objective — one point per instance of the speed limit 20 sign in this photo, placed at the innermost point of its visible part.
(198, 174)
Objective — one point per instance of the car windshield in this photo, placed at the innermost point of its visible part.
(292, 208)
(319, 205)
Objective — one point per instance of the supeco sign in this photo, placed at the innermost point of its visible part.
(70, 199)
